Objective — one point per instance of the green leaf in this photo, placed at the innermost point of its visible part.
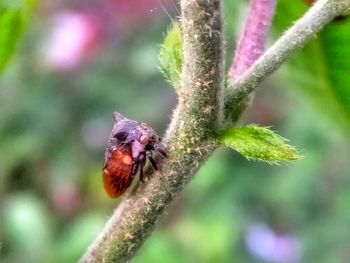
(258, 143)
(13, 18)
(335, 44)
(170, 56)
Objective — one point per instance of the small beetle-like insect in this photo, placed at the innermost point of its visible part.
(129, 145)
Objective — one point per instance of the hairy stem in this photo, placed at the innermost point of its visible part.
(250, 46)
(189, 137)
(252, 40)
(297, 36)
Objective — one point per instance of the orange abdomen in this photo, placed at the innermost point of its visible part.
(117, 174)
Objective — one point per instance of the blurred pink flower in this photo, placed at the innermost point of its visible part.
(72, 37)
(267, 245)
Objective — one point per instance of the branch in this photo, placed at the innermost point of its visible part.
(252, 40)
(189, 137)
(297, 36)
(197, 117)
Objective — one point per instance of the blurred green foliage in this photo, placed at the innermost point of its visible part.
(13, 18)
(53, 126)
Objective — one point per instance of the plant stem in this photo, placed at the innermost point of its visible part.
(189, 137)
(252, 40)
(297, 36)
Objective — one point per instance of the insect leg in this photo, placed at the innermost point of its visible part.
(135, 166)
(142, 165)
(153, 162)
(162, 152)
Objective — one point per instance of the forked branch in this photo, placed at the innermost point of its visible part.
(190, 136)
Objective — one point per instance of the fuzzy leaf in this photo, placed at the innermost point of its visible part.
(13, 18)
(258, 143)
(170, 56)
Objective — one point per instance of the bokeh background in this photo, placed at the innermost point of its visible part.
(78, 61)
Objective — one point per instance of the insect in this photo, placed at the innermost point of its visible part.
(130, 144)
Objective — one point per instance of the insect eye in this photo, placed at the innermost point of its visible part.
(121, 136)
